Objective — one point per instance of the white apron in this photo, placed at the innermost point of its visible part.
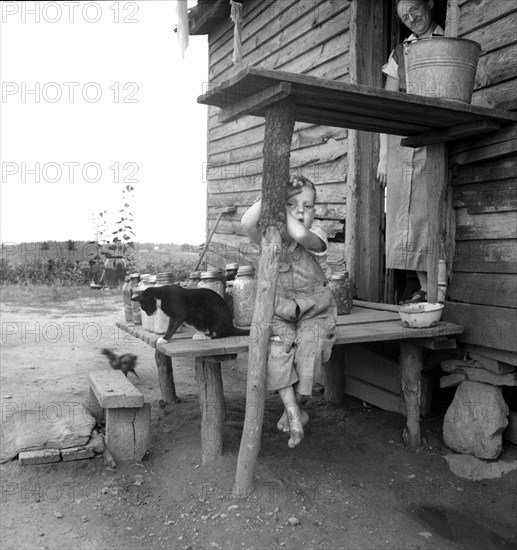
(406, 207)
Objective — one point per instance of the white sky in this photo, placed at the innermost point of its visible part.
(162, 133)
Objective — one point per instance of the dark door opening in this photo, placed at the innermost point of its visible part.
(400, 284)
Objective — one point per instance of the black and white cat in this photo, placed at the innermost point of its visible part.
(201, 308)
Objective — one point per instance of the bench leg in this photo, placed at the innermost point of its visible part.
(166, 377)
(335, 376)
(128, 432)
(411, 361)
(213, 409)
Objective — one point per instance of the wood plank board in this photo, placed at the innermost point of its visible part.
(113, 390)
(353, 328)
(352, 105)
(484, 256)
(488, 171)
(491, 289)
(492, 327)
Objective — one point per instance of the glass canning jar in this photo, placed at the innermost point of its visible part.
(244, 294)
(211, 280)
(228, 294)
(341, 287)
(193, 279)
(161, 319)
(126, 297)
(231, 271)
(136, 310)
(142, 285)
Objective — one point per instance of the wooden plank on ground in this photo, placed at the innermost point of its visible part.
(377, 371)
(374, 395)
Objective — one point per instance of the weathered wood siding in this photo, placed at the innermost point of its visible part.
(302, 36)
(484, 192)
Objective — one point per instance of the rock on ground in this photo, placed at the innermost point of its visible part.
(475, 420)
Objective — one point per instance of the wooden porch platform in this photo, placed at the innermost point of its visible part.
(367, 322)
(251, 90)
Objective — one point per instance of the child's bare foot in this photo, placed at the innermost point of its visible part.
(283, 424)
(295, 428)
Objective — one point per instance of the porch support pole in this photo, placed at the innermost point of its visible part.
(213, 409)
(436, 183)
(166, 377)
(411, 361)
(277, 147)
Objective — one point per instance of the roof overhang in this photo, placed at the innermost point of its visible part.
(206, 14)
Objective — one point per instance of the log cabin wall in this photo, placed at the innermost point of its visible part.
(301, 36)
(483, 286)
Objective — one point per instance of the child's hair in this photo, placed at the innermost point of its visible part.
(305, 182)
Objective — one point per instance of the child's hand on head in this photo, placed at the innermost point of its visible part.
(294, 187)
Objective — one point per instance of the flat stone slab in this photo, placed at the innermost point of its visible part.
(471, 371)
(77, 453)
(27, 458)
(114, 391)
(476, 469)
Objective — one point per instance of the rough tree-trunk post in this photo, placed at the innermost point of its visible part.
(411, 359)
(212, 405)
(277, 147)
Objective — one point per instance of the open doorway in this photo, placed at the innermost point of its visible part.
(400, 284)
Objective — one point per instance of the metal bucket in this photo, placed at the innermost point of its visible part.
(443, 67)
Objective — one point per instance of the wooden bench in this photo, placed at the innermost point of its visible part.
(128, 418)
(366, 323)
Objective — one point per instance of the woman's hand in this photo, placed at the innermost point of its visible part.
(382, 170)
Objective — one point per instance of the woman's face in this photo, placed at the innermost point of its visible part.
(417, 16)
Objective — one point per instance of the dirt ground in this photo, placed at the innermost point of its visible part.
(350, 484)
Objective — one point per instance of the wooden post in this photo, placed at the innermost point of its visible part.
(212, 405)
(411, 361)
(436, 182)
(166, 377)
(277, 148)
(364, 196)
(335, 375)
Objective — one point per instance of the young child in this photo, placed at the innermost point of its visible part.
(303, 326)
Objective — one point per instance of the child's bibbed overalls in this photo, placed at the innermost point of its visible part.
(303, 329)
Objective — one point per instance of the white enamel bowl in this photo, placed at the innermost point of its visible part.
(420, 315)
